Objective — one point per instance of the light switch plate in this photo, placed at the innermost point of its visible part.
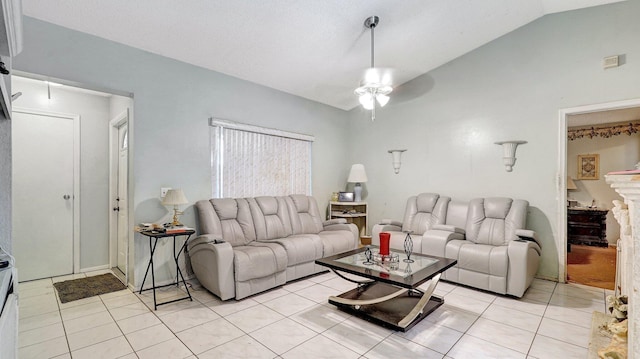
(163, 191)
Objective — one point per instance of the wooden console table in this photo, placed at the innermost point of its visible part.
(587, 226)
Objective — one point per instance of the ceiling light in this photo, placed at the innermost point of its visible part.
(377, 84)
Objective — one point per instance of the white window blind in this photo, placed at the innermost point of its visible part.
(250, 161)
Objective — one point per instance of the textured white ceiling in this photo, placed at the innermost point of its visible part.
(310, 48)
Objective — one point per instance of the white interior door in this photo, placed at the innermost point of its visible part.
(43, 194)
(122, 200)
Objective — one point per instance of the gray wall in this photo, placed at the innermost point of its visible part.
(448, 119)
(172, 102)
(509, 89)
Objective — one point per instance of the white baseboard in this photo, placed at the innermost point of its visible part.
(93, 269)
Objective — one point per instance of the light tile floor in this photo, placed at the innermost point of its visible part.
(295, 321)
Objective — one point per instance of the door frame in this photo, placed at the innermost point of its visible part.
(76, 174)
(561, 176)
(114, 147)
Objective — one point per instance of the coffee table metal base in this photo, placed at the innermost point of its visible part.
(400, 311)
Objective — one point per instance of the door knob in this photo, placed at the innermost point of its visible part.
(66, 196)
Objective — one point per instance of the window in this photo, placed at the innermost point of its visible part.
(250, 161)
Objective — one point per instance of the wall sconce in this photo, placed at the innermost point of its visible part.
(395, 155)
(509, 153)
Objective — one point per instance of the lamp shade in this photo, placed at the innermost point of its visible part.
(357, 174)
(174, 197)
(570, 184)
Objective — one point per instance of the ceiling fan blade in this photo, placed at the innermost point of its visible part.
(413, 89)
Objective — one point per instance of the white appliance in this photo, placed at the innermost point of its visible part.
(8, 313)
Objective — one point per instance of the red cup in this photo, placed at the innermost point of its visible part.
(384, 243)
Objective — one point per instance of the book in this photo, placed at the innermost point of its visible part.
(174, 230)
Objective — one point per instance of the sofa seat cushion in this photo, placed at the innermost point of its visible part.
(301, 248)
(335, 242)
(258, 259)
(481, 258)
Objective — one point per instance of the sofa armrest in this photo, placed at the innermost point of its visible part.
(448, 228)
(524, 259)
(391, 222)
(346, 227)
(527, 235)
(382, 227)
(212, 262)
(334, 221)
(434, 241)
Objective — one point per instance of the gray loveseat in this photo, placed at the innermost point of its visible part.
(249, 245)
(486, 235)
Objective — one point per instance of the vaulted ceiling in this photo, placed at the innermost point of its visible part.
(316, 49)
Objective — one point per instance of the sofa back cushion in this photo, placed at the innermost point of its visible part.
(305, 216)
(457, 214)
(423, 211)
(494, 220)
(270, 217)
(228, 217)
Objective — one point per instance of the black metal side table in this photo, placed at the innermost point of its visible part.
(153, 242)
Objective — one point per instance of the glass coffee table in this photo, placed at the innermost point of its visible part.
(388, 294)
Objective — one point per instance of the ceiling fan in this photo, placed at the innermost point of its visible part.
(377, 82)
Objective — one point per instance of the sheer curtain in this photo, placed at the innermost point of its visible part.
(250, 161)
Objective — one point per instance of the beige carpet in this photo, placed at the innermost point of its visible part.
(592, 266)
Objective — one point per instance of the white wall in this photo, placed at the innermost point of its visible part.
(509, 89)
(616, 153)
(94, 111)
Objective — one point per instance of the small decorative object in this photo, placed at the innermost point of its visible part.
(385, 237)
(407, 268)
(345, 197)
(617, 327)
(408, 246)
(588, 167)
(357, 175)
(395, 159)
(334, 197)
(509, 153)
(387, 262)
(175, 197)
(368, 255)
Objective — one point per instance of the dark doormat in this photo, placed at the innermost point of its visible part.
(75, 289)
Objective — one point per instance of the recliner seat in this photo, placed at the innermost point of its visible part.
(249, 245)
(487, 237)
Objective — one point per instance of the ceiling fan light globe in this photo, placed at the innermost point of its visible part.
(382, 99)
(367, 101)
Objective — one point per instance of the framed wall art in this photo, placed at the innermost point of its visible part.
(589, 167)
(345, 197)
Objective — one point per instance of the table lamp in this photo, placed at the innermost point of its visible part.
(175, 197)
(357, 176)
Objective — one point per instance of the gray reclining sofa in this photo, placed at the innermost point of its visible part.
(486, 235)
(249, 245)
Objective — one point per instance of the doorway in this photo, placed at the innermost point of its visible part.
(45, 192)
(587, 244)
(95, 109)
(118, 178)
